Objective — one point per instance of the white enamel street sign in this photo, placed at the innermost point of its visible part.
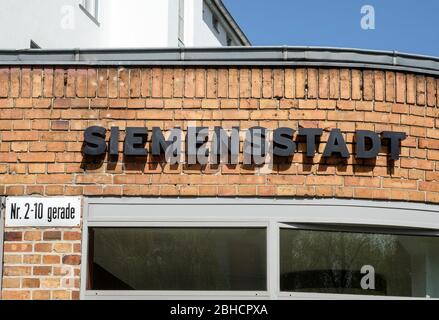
(43, 211)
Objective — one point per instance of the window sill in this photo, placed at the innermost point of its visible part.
(187, 295)
(336, 296)
(88, 14)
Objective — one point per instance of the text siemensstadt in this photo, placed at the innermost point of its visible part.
(219, 145)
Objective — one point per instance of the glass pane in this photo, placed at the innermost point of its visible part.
(359, 263)
(177, 259)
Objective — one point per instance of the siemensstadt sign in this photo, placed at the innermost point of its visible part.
(203, 145)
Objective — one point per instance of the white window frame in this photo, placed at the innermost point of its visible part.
(414, 218)
(2, 230)
(181, 22)
(94, 16)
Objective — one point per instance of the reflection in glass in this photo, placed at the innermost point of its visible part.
(177, 259)
(359, 263)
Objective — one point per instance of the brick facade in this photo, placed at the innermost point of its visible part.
(43, 112)
(41, 263)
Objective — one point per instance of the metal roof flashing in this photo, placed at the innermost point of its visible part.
(225, 56)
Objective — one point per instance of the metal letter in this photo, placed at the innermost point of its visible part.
(114, 142)
(196, 138)
(360, 144)
(171, 147)
(255, 146)
(336, 144)
(223, 145)
(395, 139)
(94, 140)
(135, 139)
(311, 134)
(284, 146)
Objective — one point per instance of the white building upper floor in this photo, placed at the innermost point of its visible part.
(117, 24)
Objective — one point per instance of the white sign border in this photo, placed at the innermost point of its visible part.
(45, 224)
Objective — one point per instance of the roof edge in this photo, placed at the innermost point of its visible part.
(226, 56)
(231, 22)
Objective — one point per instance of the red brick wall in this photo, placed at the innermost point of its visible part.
(41, 263)
(43, 112)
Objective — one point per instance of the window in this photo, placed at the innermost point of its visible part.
(181, 22)
(34, 45)
(258, 248)
(229, 41)
(359, 263)
(178, 259)
(1, 240)
(215, 23)
(91, 9)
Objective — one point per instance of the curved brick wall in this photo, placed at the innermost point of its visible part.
(44, 112)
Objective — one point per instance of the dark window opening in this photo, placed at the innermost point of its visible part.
(215, 23)
(34, 45)
(359, 263)
(229, 41)
(177, 259)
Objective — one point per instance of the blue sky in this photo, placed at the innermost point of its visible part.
(401, 25)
